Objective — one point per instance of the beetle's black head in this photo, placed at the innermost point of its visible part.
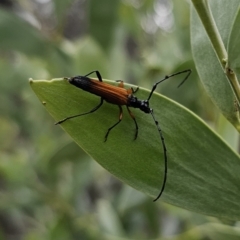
(144, 106)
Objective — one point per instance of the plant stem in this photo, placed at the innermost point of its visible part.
(205, 14)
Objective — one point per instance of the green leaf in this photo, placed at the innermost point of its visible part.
(17, 34)
(209, 231)
(103, 17)
(203, 170)
(60, 8)
(208, 65)
(234, 46)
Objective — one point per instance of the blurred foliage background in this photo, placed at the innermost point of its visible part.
(49, 188)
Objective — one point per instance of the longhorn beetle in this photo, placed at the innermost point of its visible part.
(120, 96)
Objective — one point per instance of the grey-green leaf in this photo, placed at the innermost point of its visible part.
(208, 65)
(234, 45)
(203, 173)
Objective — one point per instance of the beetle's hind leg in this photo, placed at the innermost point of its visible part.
(119, 120)
(81, 114)
(130, 90)
(134, 119)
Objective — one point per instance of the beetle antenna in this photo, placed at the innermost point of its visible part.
(165, 156)
(188, 71)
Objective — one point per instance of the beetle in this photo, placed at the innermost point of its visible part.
(120, 96)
